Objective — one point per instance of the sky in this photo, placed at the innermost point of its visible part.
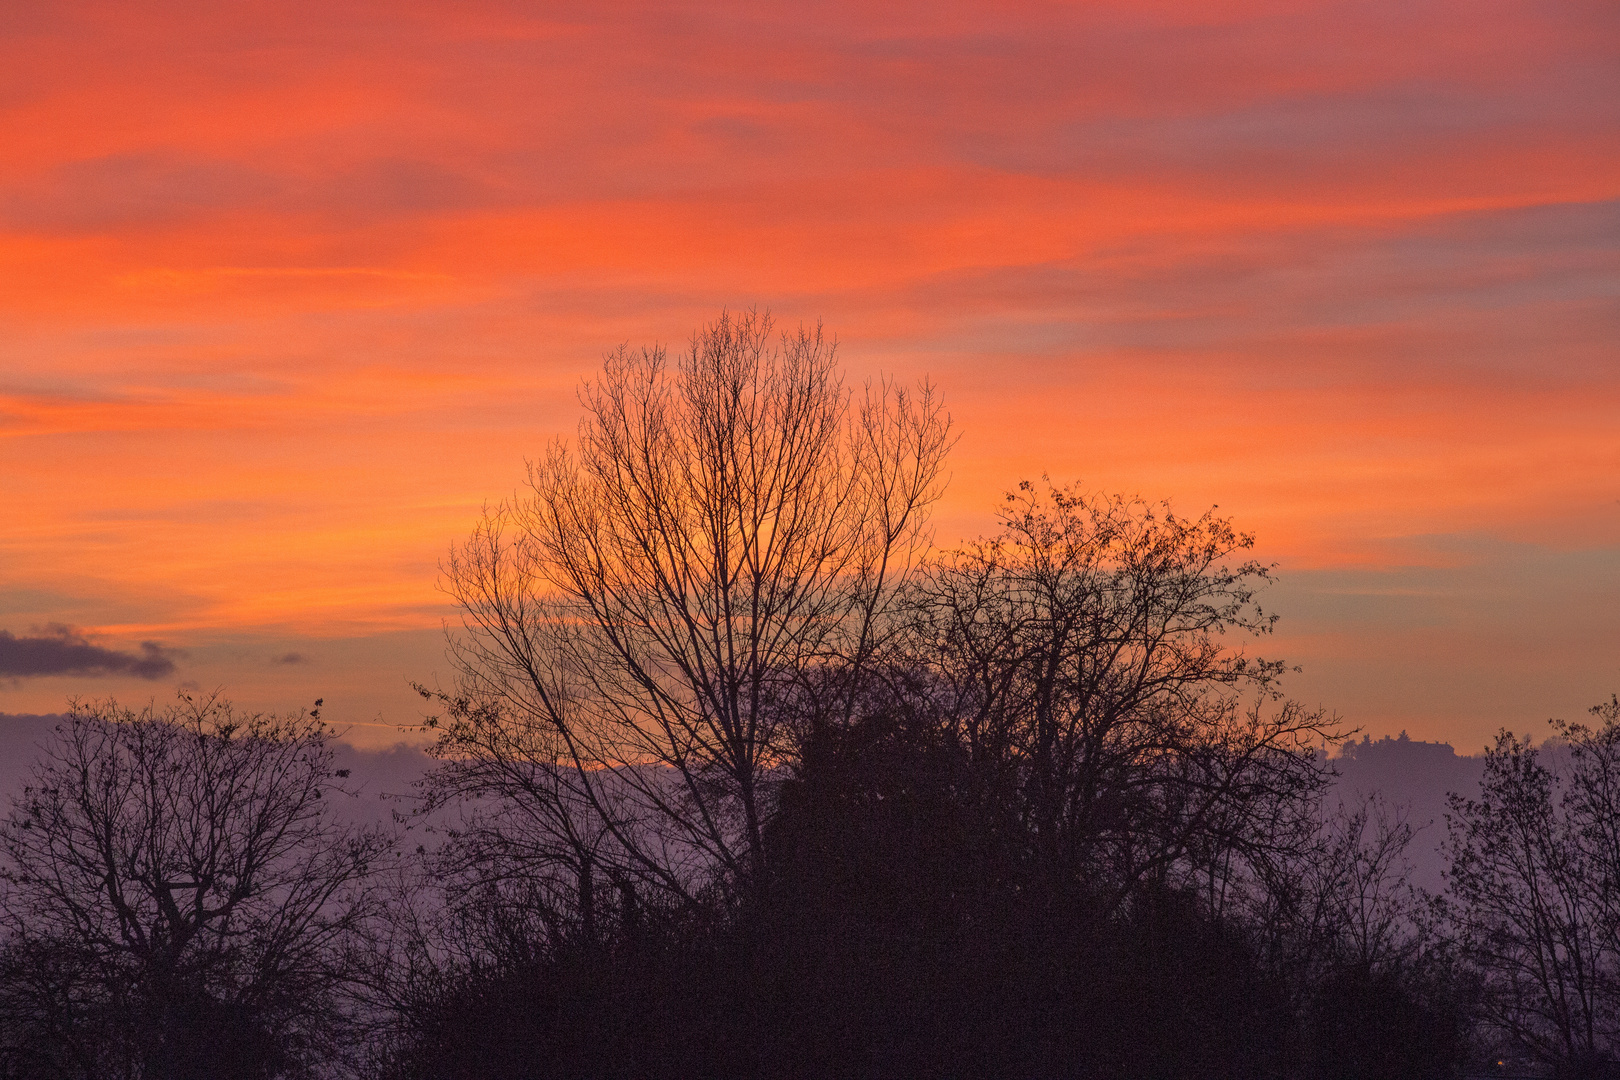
(289, 290)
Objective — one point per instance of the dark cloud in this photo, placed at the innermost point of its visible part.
(62, 650)
(290, 658)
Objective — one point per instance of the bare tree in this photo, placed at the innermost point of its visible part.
(710, 563)
(521, 830)
(1344, 900)
(1533, 889)
(1369, 903)
(1088, 646)
(177, 897)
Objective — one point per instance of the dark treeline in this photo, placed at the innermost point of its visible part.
(739, 776)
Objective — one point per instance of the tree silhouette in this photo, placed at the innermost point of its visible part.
(1534, 893)
(178, 900)
(1087, 647)
(643, 628)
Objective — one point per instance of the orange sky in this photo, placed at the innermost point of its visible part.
(287, 290)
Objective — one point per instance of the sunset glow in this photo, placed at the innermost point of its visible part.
(287, 291)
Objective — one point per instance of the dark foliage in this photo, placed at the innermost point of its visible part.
(1391, 1024)
(900, 935)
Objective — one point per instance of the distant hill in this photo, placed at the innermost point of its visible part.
(1415, 776)
(1406, 772)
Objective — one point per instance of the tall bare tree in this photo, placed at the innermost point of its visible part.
(712, 561)
(177, 899)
